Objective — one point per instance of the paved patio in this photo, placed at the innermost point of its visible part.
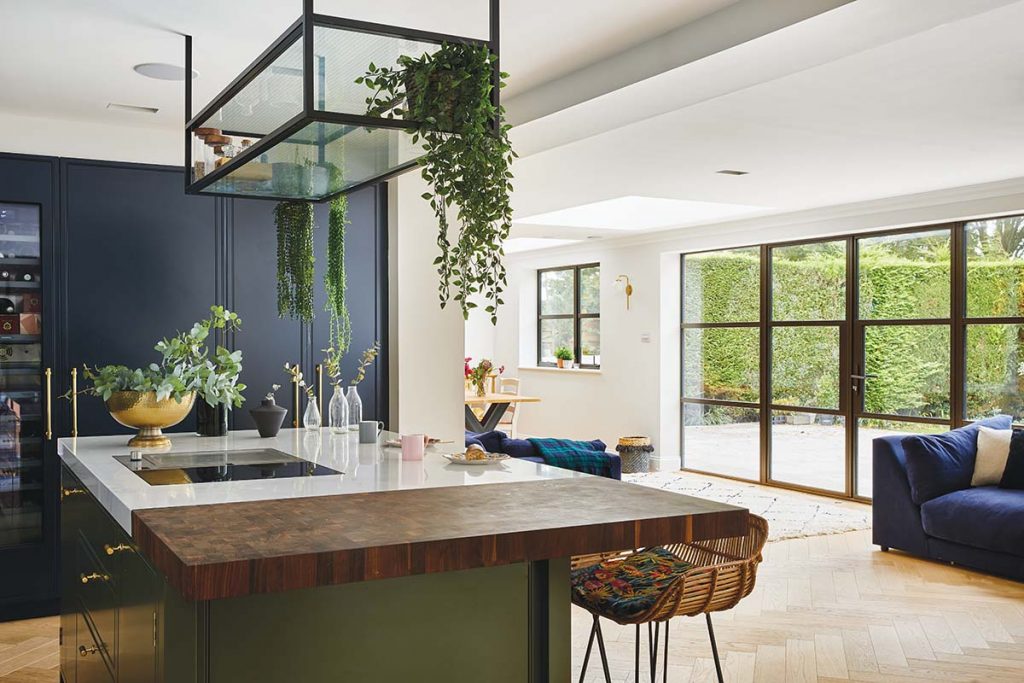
(811, 455)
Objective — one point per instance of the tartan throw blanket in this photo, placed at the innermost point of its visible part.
(578, 456)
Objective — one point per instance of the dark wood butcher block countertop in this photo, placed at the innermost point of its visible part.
(209, 552)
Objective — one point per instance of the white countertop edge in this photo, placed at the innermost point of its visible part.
(366, 468)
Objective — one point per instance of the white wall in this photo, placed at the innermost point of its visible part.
(426, 343)
(637, 390)
(86, 140)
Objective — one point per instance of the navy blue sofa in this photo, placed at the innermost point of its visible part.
(930, 509)
(499, 442)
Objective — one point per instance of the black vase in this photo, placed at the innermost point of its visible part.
(211, 420)
(268, 417)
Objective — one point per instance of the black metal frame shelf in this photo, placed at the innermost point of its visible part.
(302, 30)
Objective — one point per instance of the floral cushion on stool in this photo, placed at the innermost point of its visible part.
(622, 589)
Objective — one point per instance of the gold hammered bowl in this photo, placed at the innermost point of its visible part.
(141, 410)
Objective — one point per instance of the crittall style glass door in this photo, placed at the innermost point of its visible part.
(797, 355)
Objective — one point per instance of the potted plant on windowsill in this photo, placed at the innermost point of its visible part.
(563, 357)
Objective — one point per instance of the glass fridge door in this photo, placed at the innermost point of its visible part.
(21, 377)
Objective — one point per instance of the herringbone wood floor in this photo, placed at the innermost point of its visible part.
(826, 608)
(831, 608)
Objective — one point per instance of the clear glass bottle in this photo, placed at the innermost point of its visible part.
(337, 411)
(355, 409)
(311, 418)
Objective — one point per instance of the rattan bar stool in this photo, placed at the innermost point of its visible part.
(652, 585)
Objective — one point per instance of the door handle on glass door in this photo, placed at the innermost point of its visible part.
(862, 378)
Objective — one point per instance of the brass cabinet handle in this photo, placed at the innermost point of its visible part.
(64, 493)
(119, 548)
(298, 402)
(49, 396)
(95, 576)
(74, 401)
(86, 651)
(320, 389)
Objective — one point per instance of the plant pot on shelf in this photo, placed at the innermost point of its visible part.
(141, 410)
(560, 362)
(211, 420)
(268, 417)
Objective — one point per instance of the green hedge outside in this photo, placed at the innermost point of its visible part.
(912, 362)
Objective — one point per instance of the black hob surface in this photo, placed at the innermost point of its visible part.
(162, 469)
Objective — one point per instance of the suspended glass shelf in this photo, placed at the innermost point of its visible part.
(294, 126)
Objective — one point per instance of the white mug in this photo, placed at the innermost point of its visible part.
(413, 446)
(369, 430)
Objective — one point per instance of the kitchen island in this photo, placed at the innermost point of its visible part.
(342, 562)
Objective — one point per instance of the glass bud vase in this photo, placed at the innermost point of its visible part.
(337, 411)
(311, 418)
(355, 409)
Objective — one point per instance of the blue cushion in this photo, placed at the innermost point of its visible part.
(1013, 475)
(472, 440)
(942, 463)
(984, 517)
(518, 448)
(490, 441)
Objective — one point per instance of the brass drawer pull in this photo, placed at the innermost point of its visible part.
(49, 400)
(119, 548)
(74, 402)
(64, 493)
(95, 576)
(86, 651)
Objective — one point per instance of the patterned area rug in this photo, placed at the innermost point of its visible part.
(790, 514)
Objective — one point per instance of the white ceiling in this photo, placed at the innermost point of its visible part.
(822, 101)
(69, 58)
(861, 115)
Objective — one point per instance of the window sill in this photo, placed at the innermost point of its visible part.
(563, 371)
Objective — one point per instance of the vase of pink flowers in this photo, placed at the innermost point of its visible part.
(477, 375)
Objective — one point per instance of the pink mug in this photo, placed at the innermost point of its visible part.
(412, 446)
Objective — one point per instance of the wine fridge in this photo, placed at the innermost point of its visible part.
(28, 471)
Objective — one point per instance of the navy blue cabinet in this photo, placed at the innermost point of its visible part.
(125, 258)
(29, 476)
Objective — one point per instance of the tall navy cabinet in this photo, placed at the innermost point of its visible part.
(29, 337)
(125, 259)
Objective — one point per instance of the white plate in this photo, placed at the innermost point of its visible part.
(460, 458)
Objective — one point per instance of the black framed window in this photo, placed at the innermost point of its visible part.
(569, 314)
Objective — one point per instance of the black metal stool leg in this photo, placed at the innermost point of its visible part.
(636, 673)
(600, 647)
(714, 647)
(590, 645)
(653, 648)
(665, 664)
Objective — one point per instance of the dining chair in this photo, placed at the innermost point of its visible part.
(652, 585)
(510, 420)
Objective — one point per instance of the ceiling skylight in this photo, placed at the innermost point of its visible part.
(639, 213)
(517, 244)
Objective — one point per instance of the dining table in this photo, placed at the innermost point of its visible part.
(496, 404)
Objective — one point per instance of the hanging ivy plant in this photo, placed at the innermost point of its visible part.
(466, 161)
(294, 221)
(335, 278)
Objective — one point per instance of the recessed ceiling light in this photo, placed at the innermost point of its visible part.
(729, 171)
(132, 108)
(639, 213)
(163, 72)
(517, 244)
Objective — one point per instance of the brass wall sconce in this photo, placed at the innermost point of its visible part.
(623, 284)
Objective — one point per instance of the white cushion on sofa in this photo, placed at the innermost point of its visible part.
(993, 450)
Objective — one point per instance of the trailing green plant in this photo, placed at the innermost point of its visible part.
(466, 161)
(294, 222)
(335, 279)
(186, 366)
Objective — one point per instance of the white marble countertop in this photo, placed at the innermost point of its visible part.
(364, 467)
